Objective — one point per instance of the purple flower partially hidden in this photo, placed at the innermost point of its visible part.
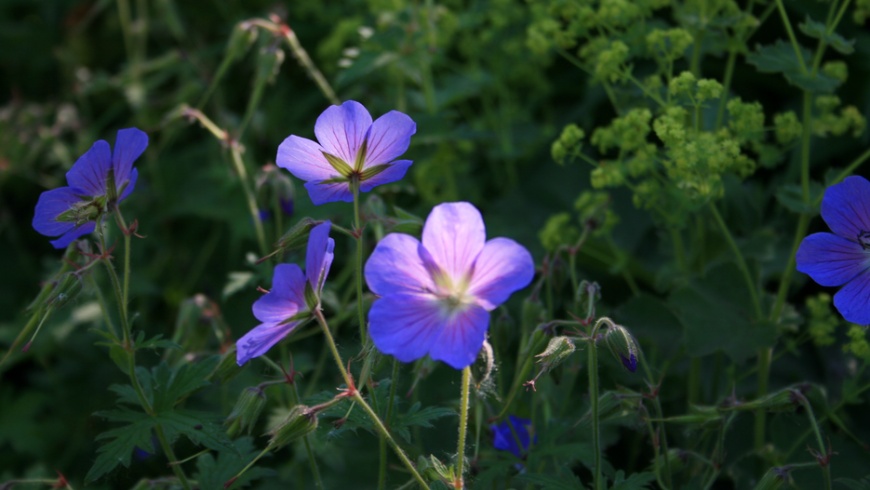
(629, 362)
(284, 307)
(71, 212)
(513, 435)
(435, 296)
(842, 258)
(349, 147)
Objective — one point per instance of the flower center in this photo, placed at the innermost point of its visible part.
(864, 239)
(453, 293)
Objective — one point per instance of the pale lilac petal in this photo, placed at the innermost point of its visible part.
(322, 193)
(394, 171)
(74, 234)
(88, 175)
(260, 339)
(285, 299)
(502, 267)
(853, 301)
(454, 234)
(340, 130)
(831, 260)
(304, 159)
(319, 256)
(404, 325)
(395, 267)
(846, 207)
(461, 337)
(388, 138)
(129, 145)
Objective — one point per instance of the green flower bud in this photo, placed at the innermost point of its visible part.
(682, 84)
(558, 231)
(300, 422)
(775, 478)
(269, 62)
(709, 89)
(747, 119)
(607, 174)
(858, 345)
(559, 152)
(609, 65)
(297, 235)
(240, 41)
(669, 45)
(836, 69)
(783, 400)
(622, 345)
(822, 322)
(246, 412)
(67, 287)
(787, 126)
(558, 349)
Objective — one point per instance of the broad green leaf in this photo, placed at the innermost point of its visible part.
(213, 473)
(156, 342)
(122, 441)
(791, 197)
(637, 481)
(780, 57)
(552, 482)
(201, 428)
(818, 30)
(415, 416)
(716, 315)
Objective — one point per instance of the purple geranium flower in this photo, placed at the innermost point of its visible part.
(73, 211)
(842, 258)
(285, 306)
(435, 296)
(513, 435)
(351, 147)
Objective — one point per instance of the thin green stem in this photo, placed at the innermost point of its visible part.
(823, 451)
(459, 482)
(312, 461)
(309, 66)
(251, 199)
(593, 400)
(382, 443)
(741, 261)
(846, 172)
(788, 28)
(358, 232)
(352, 392)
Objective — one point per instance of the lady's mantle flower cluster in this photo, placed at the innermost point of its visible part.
(98, 181)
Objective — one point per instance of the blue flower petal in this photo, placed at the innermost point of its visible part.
(130, 143)
(405, 325)
(285, 299)
(831, 260)
(461, 337)
(846, 207)
(502, 267)
(50, 205)
(395, 267)
(340, 130)
(260, 339)
(304, 159)
(853, 301)
(394, 171)
(319, 256)
(322, 193)
(512, 435)
(88, 175)
(388, 138)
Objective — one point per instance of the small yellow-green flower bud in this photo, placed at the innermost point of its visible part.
(609, 65)
(682, 84)
(607, 174)
(622, 345)
(836, 69)
(709, 89)
(246, 412)
(558, 349)
(558, 231)
(747, 119)
(669, 44)
(300, 422)
(822, 322)
(787, 126)
(858, 345)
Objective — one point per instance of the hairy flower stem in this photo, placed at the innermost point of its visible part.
(353, 393)
(130, 349)
(597, 484)
(309, 66)
(459, 482)
(382, 471)
(236, 153)
(824, 460)
(358, 231)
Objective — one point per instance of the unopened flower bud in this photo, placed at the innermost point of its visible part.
(297, 235)
(246, 412)
(783, 400)
(300, 422)
(240, 40)
(774, 479)
(269, 62)
(621, 343)
(275, 189)
(558, 349)
(68, 287)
